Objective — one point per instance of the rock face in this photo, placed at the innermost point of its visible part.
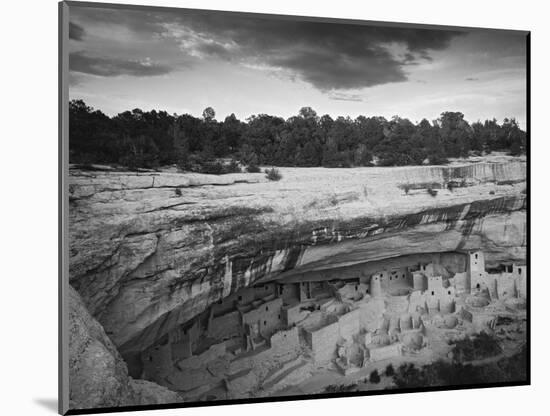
(148, 393)
(151, 250)
(97, 373)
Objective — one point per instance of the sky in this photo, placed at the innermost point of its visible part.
(183, 61)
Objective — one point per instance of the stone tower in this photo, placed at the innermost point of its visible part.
(375, 285)
(476, 270)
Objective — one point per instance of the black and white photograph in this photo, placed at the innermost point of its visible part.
(265, 207)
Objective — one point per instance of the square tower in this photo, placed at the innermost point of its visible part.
(476, 270)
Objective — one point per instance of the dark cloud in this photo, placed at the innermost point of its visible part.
(330, 56)
(110, 67)
(327, 70)
(471, 79)
(76, 32)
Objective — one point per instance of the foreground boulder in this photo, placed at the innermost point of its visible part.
(98, 377)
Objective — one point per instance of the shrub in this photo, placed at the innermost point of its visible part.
(437, 160)
(509, 182)
(407, 376)
(177, 191)
(478, 347)
(407, 187)
(432, 192)
(374, 377)
(135, 161)
(389, 370)
(253, 168)
(190, 163)
(273, 174)
(232, 167)
(212, 168)
(339, 388)
(457, 184)
(441, 373)
(182, 165)
(204, 164)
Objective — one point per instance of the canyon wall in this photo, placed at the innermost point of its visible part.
(151, 250)
(98, 376)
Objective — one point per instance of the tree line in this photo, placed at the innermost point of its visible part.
(138, 139)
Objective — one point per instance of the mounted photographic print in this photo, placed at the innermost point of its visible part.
(262, 208)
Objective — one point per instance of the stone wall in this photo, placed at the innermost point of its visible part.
(290, 293)
(225, 326)
(293, 314)
(349, 324)
(243, 296)
(417, 302)
(184, 339)
(323, 342)
(522, 281)
(435, 286)
(285, 341)
(157, 360)
(398, 281)
(349, 291)
(420, 281)
(267, 315)
(265, 290)
(227, 304)
(506, 285)
(385, 352)
(405, 322)
(197, 362)
(461, 281)
(510, 283)
(370, 315)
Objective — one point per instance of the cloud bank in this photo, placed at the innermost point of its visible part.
(329, 56)
(76, 32)
(109, 67)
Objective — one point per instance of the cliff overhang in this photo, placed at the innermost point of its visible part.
(152, 250)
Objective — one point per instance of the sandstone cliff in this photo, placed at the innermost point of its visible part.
(98, 376)
(150, 250)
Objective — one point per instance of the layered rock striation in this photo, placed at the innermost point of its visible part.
(151, 250)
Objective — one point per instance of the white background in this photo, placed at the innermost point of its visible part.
(28, 183)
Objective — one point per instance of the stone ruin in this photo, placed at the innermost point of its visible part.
(263, 337)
